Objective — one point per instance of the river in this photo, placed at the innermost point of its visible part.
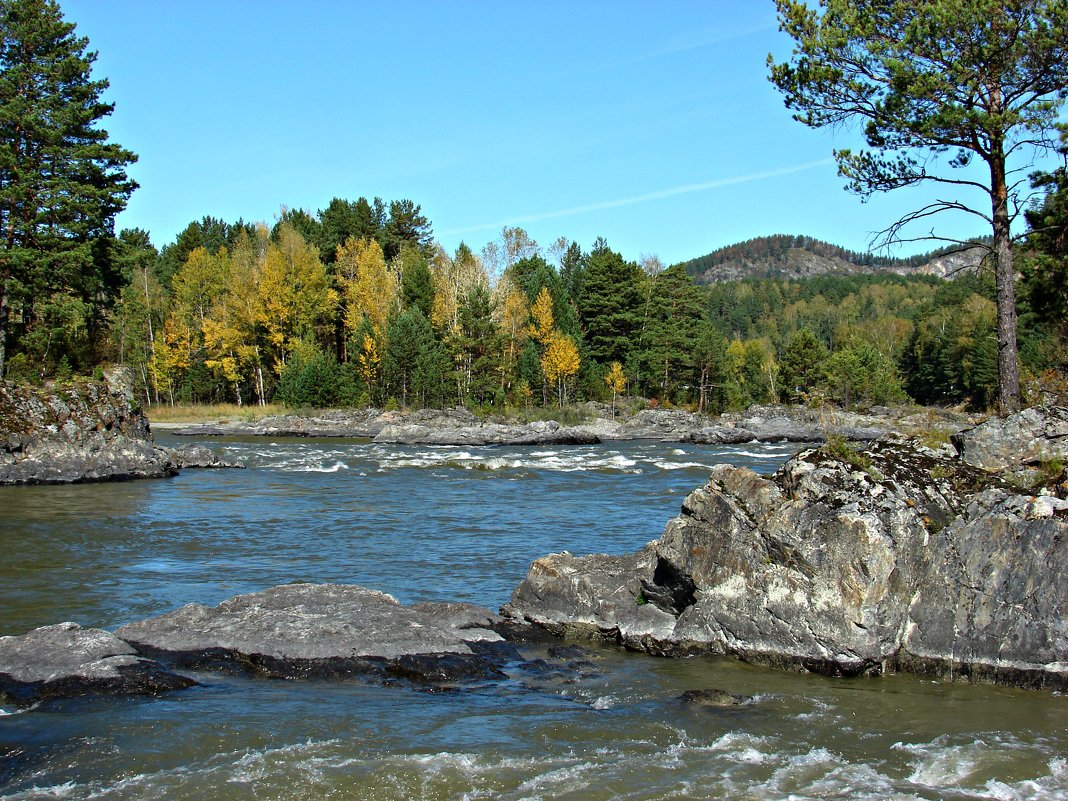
(457, 524)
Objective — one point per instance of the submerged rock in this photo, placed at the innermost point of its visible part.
(320, 630)
(844, 562)
(713, 697)
(66, 660)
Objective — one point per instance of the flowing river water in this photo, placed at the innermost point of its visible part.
(457, 524)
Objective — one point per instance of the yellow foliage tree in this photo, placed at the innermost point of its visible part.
(295, 292)
(616, 381)
(367, 361)
(198, 283)
(453, 279)
(230, 330)
(542, 321)
(369, 286)
(559, 362)
(173, 354)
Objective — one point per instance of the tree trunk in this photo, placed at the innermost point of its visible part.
(1005, 289)
(5, 319)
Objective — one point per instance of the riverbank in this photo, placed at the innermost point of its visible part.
(592, 423)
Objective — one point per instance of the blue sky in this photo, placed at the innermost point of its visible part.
(652, 125)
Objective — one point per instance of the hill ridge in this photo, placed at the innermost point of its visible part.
(797, 256)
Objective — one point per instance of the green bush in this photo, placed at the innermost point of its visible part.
(314, 379)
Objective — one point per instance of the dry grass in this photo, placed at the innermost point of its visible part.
(212, 413)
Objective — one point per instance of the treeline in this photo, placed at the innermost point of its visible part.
(358, 305)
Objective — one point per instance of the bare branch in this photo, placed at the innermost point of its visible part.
(892, 234)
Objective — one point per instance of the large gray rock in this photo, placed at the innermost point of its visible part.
(66, 660)
(1024, 438)
(845, 563)
(300, 630)
(88, 431)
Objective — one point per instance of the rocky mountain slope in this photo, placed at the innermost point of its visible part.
(794, 257)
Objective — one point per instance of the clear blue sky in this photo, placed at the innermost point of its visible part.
(652, 125)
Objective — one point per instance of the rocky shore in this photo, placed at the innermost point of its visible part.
(893, 557)
(87, 431)
(461, 427)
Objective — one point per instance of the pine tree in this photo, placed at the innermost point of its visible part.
(61, 181)
(610, 304)
(675, 310)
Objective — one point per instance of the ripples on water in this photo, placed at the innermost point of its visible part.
(457, 523)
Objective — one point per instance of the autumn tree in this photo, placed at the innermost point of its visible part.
(938, 85)
(616, 381)
(560, 362)
(369, 287)
(295, 293)
(512, 314)
(452, 279)
(61, 181)
(232, 329)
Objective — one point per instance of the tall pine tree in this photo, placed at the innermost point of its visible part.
(61, 181)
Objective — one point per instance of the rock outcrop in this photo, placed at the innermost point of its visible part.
(292, 631)
(66, 660)
(88, 431)
(846, 562)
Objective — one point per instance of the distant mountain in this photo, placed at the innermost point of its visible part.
(785, 256)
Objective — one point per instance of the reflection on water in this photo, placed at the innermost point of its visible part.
(457, 523)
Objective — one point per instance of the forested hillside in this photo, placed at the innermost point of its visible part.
(785, 256)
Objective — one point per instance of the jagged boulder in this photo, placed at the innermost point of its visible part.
(1023, 440)
(844, 562)
(66, 660)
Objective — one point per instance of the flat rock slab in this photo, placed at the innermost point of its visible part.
(66, 660)
(325, 630)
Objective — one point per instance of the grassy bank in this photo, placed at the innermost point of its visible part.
(212, 413)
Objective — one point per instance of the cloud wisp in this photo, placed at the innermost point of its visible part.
(632, 200)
